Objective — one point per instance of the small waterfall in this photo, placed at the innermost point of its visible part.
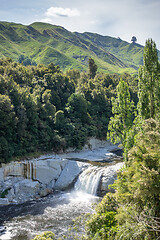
(89, 179)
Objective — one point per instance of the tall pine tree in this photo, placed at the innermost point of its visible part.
(92, 68)
(149, 83)
(122, 120)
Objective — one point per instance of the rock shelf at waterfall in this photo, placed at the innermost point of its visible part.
(35, 178)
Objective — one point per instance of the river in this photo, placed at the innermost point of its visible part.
(52, 213)
(57, 211)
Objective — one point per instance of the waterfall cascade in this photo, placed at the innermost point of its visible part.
(95, 178)
(89, 179)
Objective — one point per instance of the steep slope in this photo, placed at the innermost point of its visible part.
(45, 43)
(78, 48)
(129, 53)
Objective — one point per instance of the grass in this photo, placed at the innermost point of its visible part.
(45, 43)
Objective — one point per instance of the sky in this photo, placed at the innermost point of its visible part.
(115, 18)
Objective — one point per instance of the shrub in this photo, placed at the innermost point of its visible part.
(45, 236)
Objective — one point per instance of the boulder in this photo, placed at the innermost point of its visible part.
(108, 180)
(11, 181)
(44, 192)
(4, 201)
(13, 169)
(27, 186)
(57, 166)
(70, 172)
(24, 190)
(1, 174)
(44, 174)
(94, 143)
(11, 195)
(51, 184)
(48, 170)
(109, 176)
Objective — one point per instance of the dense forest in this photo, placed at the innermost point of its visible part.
(133, 211)
(43, 109)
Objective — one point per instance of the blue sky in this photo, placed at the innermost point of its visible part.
(116, 18)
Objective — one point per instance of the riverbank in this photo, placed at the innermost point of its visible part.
(35, 178)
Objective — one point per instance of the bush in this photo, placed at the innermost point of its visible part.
(45, 236)
(103, 224)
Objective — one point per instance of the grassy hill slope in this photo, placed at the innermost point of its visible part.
(45, 43)
(130, 53)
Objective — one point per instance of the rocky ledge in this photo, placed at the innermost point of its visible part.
(35, 178)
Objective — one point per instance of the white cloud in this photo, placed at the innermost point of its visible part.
(116, 18)
(62, 12)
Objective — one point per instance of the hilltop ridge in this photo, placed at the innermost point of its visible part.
(45, 43)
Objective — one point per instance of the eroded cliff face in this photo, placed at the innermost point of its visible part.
(32, 179)
(22, 181)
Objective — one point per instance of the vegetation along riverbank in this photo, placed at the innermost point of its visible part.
(133, 212)
(43, 109)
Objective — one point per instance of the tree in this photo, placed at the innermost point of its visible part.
(77, 107)
(7, 125)
(26, 60)
(59, 120)
(103, 224)
(149, 83)
(134, 39)
(73, 74)
(138, 187)
(122, 110)
(92, 68)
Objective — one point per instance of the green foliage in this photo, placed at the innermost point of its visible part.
(47, 110)
(137, 211)
(77, 107)
(133, 211)
(149, 83)
(133, 225)
(26, 60)
(45, 236)
(122, 109)
(59, 120)
(138, 186)
(103, 224)
(92, 68)
(73, 74)
(4, 193)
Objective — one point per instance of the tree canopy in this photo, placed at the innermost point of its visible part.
(133, 211)
(149, 86)
(136, 211)
(46, 109)
(134, 39)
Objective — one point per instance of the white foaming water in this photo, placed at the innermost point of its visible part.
(80, 196)
(88, 181)
(53, 213)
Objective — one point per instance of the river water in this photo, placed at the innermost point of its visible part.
(52, 213)
(55, 212)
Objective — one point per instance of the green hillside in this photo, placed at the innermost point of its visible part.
(130, 53)
(45, 43)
